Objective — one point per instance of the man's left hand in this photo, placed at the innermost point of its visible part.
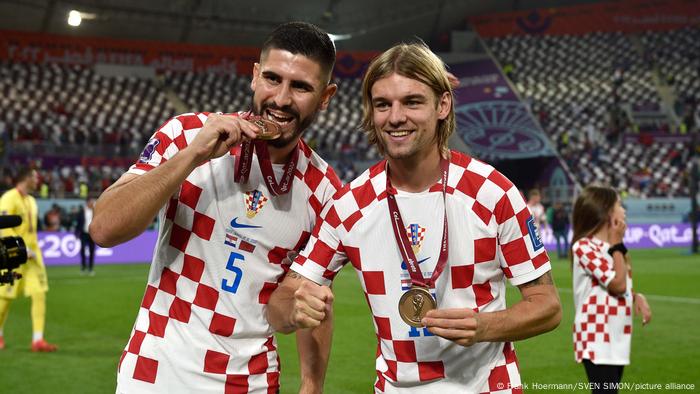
(458, 325)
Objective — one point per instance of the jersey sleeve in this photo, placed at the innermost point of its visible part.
(521, 251)
(596, 264)
(323, 256)
(167, 141)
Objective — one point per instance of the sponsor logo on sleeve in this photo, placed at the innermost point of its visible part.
(534, 234)
(148, 151)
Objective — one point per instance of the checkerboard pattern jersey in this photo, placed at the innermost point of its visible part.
(489, 241)
(603, 322)
(201, 324)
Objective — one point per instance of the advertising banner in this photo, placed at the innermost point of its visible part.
(63, 248)
(33, 47)
(642, 236)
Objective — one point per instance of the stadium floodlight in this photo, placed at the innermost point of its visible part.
(339, 37)
(74, 18)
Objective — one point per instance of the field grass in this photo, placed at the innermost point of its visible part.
(90, 318)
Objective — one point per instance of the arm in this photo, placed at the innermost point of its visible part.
(314, 346)
(618, 284)
(126, 208)
(537, 312)
(302, 305)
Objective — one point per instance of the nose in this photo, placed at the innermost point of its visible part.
(283, 95)
(396, 115)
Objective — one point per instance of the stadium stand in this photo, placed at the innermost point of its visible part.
(589, 92)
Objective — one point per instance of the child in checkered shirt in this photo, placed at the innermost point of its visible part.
(603, 296)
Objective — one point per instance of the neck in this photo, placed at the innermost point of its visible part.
(283, 154)
(22, 189)
(415, 174)
(603, 234)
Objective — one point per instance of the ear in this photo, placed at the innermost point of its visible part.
(328, 92)
(444, 105)
(256, 72)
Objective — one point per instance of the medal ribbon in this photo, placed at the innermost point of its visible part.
(243, 165)
(402, 239)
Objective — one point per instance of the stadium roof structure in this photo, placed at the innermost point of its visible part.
(365, 24)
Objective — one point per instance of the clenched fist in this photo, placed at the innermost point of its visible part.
(312, 303)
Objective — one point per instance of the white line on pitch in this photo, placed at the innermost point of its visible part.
(654, 297)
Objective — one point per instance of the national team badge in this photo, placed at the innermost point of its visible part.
(254, 202)
(416, 234)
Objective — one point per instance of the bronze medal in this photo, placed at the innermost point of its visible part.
(269, 130)
(414, 304)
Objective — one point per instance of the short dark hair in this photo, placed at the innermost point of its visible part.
(23, 173)
(304, 39)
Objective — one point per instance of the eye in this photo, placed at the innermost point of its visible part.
(381, 105)
(273, 79)
(302, 88)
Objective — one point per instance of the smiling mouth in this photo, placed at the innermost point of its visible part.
(281, 118)
(398, 133)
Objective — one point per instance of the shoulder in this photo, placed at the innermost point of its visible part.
(476, 178)
(353, 201)
(315, 171)
(368, 186)
(583, 246)
(10, 195)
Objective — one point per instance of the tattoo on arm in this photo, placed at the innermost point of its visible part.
(545, 279)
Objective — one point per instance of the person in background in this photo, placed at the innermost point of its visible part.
(603, 293)
(34, 282)
(559, 222)
(82, 232)
(534, 203)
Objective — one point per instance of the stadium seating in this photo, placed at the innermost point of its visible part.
(582, 89)
(577, 85)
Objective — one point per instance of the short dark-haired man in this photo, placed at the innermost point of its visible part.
(230, 206)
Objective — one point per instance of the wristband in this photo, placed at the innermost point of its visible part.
(618, 248)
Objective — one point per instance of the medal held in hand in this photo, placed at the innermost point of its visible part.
(417, 301)
(269, 130)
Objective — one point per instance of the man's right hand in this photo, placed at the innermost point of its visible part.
(312, 303)
(219, 134)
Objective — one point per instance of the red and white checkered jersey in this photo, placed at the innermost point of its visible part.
(201, 326)
(491, 237)
(603, 322)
